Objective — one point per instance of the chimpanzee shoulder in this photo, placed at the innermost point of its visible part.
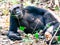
(35, 10)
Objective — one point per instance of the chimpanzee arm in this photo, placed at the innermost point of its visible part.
(49, 18)
(13, 20)
(13, 24)
(35, 10)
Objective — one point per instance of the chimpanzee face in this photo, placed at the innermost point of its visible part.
(18, 12)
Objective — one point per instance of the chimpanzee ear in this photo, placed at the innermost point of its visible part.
(11, 12)
(23, 11)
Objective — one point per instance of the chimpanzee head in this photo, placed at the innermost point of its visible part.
(16, 11)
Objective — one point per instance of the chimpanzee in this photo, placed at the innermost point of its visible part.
(33, 18)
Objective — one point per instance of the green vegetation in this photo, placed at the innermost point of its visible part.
(36, 35)
(22, 28)
(58, 39)
(56, 8)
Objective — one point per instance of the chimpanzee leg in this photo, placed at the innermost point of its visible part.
(54, 24)
(13, 34)
(49, 17)
(52, 30)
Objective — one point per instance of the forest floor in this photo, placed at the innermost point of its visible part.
(4, 40)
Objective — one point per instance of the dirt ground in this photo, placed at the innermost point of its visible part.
(4, 40)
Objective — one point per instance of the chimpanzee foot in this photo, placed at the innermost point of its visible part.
(14, 36)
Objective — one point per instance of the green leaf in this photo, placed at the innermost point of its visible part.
(48, 24)
(56, 8)
(22, 28)
(36, 35)
(58, 39)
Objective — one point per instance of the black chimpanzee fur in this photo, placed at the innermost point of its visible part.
(32, 16)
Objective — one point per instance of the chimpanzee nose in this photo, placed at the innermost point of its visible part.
(18, 12)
